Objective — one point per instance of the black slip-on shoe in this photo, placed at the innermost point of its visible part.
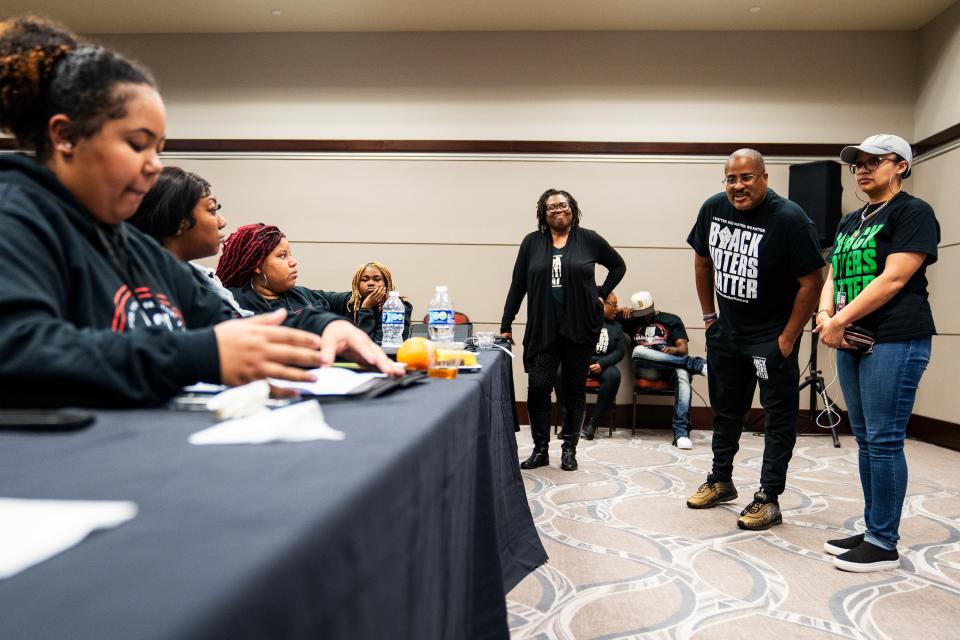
(842, 545)
(866, 558)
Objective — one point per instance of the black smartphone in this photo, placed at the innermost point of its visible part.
(45, 419)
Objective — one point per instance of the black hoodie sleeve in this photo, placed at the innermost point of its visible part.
(46, 360)
(518, 286)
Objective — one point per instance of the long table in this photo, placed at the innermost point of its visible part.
(415, 526)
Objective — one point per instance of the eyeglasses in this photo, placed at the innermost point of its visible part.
(746, 178)
(870, 164)
(560, 206)
(609, 304)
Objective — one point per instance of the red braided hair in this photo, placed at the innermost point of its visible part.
(244, 251)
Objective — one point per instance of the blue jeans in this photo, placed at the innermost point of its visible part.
(880, 389)
(652, 364)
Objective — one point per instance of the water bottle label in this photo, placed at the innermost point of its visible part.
(392, 317)
(442, 316)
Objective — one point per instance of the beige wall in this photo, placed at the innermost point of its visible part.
(787, 87)
(938, 97)
(934, 180)
(457, 220)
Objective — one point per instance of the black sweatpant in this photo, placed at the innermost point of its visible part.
(735, 369)
(542, 375)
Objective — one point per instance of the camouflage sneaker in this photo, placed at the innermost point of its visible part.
(760, 514)
(711, 493)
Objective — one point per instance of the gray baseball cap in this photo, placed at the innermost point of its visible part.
(878, 145)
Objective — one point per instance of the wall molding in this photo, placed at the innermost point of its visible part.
(249, 145)
(937, 140)
(560, 147)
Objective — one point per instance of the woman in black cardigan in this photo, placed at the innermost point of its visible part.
(555, 270)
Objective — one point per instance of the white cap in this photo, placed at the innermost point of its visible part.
(441, 287)
(642, 300)
(878, 145)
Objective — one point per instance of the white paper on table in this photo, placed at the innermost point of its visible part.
(32, 531)
(204, 388)
(300, 422)
(330, 381)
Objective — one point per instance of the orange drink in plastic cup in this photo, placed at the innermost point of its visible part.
(447, 360)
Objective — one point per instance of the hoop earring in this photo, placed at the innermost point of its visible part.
(254, 278)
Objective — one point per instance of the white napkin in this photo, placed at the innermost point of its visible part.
(32, 531)
(300, 422)
(240, 402)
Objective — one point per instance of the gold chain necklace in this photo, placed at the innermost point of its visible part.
(864, 216)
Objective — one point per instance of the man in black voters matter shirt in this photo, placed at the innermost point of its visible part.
(759, 253)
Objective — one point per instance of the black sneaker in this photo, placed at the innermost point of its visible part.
(842, 545)
(866, 558)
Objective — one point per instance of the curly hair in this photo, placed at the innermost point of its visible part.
(170, 203)
(47, 70)
(244, 251)
(542, 208)
(356, 300)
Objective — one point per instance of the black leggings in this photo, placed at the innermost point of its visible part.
(542, 375)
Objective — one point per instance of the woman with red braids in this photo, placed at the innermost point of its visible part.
(258, 267)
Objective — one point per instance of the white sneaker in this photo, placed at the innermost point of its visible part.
(684, 443)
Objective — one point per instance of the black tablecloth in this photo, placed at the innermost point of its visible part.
(415, 526)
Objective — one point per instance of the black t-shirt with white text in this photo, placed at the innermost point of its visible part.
(864, 240)
(661, 330)
(757, 257)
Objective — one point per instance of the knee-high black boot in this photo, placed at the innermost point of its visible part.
(540, 429)
(572, 423)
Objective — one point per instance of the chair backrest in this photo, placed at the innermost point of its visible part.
(459, 318)
(462, 330)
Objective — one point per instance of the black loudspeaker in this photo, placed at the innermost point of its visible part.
(815, 186)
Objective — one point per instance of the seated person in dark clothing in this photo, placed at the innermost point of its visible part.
(660, 353)
(371, 285)
(258, 267)
(603, 364)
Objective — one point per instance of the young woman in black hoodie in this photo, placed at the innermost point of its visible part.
(555, 271)
(92, 312)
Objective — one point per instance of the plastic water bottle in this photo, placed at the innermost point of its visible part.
(442, 318)
(391, 320)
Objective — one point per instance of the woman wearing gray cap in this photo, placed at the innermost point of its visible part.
(874, 311)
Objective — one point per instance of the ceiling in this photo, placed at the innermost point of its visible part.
(252, 16)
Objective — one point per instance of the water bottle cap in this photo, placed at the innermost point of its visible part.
(441, 288)
(395, 293)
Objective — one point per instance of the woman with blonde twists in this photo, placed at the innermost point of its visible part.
(370, 287)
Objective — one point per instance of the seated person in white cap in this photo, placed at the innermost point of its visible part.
(660, 353)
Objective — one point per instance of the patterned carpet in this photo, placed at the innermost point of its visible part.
(629, 560)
